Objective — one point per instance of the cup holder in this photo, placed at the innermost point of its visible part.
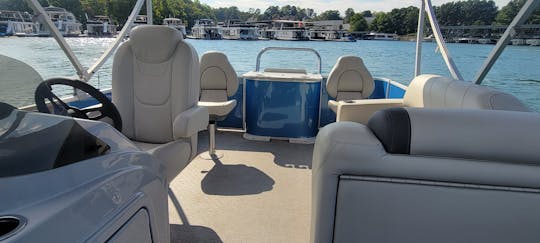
(10, 225)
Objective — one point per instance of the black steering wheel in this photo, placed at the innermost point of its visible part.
(59, 107)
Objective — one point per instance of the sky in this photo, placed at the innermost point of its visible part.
(322, 5)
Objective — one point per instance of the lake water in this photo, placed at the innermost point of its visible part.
(517, 71)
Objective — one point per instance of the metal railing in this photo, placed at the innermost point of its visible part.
(258, 65)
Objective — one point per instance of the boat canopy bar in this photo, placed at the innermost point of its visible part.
(45, 19)
(528, 8)
(428, 7)
(86, 74)
(419, 40)
(125, 30)
(149, 14)
(258, 65)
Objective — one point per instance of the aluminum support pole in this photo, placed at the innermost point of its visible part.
(45, 19)
(107, 54)
(149, 14)
(419, 39)
(440, 41)
(522, 16)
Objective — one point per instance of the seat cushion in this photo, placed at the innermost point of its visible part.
(175, 155)
(218, 110)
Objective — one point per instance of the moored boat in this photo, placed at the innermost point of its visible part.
(290, 30)
(381, 36)
(206, 29)
(518, 42)
(486, 41)
(533, 41)
(177, 24)
(64, 21)
(100, 26)
(16, 23)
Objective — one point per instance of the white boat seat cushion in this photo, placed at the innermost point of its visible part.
(155, 83)
(218, 109)
(350, 79)
(433, 91)
(218, 82)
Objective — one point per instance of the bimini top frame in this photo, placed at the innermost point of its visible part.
(426, 7)
(86, 74)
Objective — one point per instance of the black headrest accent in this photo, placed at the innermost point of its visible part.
(393, 128)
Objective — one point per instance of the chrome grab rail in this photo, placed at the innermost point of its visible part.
(319, 63)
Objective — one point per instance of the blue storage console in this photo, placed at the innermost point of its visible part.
(281, 104)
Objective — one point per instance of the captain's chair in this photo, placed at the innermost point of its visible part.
(155, 82)
(348, 80)
(218, 82)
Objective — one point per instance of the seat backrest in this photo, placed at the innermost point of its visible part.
(218, 78)
(155, 77)
(350, 79)
(433, 91)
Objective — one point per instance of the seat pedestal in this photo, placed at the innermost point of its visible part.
(212, 153)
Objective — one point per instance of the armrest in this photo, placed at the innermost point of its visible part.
(361, 110)
(190, 122)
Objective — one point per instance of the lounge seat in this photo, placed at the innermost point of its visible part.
(425, 175)
(433, 91)
(155, 87)
(348, 80)
(218, 82)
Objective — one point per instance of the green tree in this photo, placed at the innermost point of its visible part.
(400, 21)
(348, 14)
(382, 23)
(18, 5)
(367, 13)
(358, 23)
(270, 13)
(329, 15)
(470, 12)
(508, 12)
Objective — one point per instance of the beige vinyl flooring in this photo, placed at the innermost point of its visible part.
(257, 192)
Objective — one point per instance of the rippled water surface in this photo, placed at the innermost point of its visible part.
(517, 71)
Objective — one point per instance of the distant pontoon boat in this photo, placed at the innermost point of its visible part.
(381, 36)
(63, 20)
(16, 23)
(100, 26)
(206, 29)
(177, 24)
